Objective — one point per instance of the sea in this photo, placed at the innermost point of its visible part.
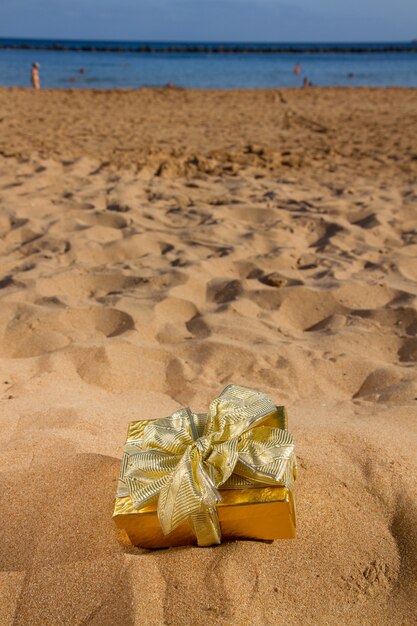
(68, 64)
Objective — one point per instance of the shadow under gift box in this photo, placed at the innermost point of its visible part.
(263, 513)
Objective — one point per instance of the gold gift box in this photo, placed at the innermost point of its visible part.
(264, 513)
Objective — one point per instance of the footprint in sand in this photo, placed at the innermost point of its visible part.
(30, 330)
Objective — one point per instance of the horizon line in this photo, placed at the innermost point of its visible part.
(212, 41)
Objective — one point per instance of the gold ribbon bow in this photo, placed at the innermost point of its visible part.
(186, 457)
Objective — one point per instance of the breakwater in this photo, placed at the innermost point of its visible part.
(206, 48)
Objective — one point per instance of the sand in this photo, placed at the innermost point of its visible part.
(157, 245)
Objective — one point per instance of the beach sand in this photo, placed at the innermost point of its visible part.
(157, 245)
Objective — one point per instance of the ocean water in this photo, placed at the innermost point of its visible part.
(206, 66)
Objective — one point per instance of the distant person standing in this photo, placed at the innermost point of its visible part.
(36, 83)
(297, 69)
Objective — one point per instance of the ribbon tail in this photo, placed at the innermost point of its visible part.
(205, 523)
(190, 495)
(206, 527)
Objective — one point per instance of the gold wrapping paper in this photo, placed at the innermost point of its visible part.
(242, 509)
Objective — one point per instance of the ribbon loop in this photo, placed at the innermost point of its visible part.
(185, 458)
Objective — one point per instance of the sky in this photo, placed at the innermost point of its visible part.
(211, 20)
